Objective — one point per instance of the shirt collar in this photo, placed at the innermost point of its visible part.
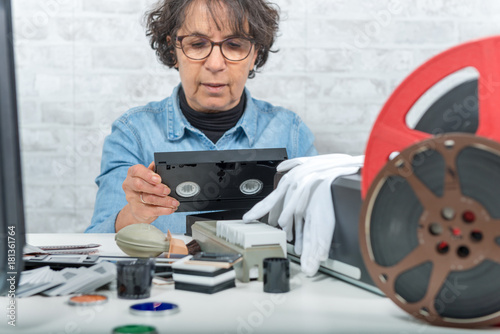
(177, 122)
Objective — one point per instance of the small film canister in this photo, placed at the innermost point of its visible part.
(154, 309)
(87, 300)
(135, 329)
(276, 274)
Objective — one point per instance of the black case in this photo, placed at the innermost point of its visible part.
(219, 176)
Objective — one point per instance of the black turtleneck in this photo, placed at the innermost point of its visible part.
(213, 125)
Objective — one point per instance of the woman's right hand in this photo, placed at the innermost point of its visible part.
(147, 197)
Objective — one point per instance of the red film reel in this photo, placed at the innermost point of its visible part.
(430, 222)
(390, 132)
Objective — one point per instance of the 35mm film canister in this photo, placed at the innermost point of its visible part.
(276, 275)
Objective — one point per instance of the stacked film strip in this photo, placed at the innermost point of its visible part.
(430, 221)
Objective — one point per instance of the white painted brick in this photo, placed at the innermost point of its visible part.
(88, 143)
(287, 60)
(292, 33)
(82, 62)
(123, 57)
(326, 116)
(292, 8)
(28, 112)
(54, 85)
(150, 86)
(99, 29)
(48, 139)
(489, 9)
(56, 197)
(88, 169)
(370, 60)
(424, 32)
(91, 85)
(447, 8)
(112, 6)
(377, 10)
(43, 168)
(473, 30)
(329, 87)
(364, 34)
(353, 143)
(53, 221)
(46, 57)
(289, 87)
(98, 114)
(33, 8)
(58, 113)
(25, 82)
(26, 29)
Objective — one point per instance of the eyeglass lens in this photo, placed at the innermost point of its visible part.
(197, 48)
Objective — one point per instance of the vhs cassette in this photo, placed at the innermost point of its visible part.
(219, 180)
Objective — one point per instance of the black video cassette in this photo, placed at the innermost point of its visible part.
(219, 180)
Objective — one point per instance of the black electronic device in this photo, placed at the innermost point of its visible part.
(61, 261)
(345, 260)
(12, 237)
(219, 180)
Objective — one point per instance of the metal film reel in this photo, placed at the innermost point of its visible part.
(430, 230)
(390, 132)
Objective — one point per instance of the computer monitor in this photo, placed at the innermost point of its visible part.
(11, 198)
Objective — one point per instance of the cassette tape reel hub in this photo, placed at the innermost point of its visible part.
(430, 226)
(251, 186)
(187, 189)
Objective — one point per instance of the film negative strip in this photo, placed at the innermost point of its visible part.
(430, 222)
(219, 180)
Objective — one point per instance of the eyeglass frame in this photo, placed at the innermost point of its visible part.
(180, 38)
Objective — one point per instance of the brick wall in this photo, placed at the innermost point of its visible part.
(81, 63)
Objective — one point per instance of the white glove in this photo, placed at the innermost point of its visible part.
(275, 202)
(316, 160)
(302, 195)
(319, 223)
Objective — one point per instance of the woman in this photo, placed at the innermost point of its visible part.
(215, 45)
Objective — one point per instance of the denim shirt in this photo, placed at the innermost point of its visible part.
(161, 127)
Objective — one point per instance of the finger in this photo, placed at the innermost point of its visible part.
(147, 212)
(139, 185)
(153, 200)
(148, 175)
(151, 166)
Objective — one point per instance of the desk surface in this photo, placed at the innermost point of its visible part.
(320, 304)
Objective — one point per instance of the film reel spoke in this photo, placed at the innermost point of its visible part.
(489, 99)
(436, 280)
(412, 260)
(425, 306)
(424, 195)
(406, 137)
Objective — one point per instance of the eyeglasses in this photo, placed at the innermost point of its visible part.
(198, 48)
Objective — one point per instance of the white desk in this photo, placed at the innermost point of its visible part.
(320, 304)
